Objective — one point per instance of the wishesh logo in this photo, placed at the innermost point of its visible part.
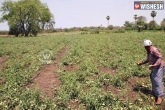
(149, 5)
(45, 56)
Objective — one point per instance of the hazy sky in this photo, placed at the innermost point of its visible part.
(81, 13)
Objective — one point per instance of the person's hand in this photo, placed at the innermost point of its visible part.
(139, 63)
(150, 66)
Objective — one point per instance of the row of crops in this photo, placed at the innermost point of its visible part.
(81, 89)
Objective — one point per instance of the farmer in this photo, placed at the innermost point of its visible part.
(156, 65)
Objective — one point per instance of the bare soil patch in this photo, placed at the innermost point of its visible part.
(130, 91)
(74, 104)
(2, 68)
(48, 78)
(70, 68)
(133, 81)
(162, 106)
(123, 94)
(2, 62)
(133, 90)
(6, 35)
(2, 80)
(61, 54)
(132, 96)
(112, 89)
(106, 70)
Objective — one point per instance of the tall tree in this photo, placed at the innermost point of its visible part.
(163, 24)
(108, 19)
(127, 24)
(135, 18)
(26, 16)
(153, 14)
(152, 25)
(141, 21)
(110, 27)
(142, 18)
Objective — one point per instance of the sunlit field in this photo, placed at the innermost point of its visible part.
(92, 72)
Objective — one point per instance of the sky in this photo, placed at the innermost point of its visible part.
(82, 13)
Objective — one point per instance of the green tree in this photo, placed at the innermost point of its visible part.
(163, 24)
(141, 23)
(110, 27)
(153, 14)
(145, 26)
(108, 19)
(85, 29)
(152, 25)
(66, 30)
(128, 25)
(26, 16)
(135, 18)
(142, 18)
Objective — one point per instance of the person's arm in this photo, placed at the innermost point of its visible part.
(144, 62)
(157, 54)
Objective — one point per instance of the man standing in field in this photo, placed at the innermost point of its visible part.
(156, 65)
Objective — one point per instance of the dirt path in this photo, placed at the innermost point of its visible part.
(2, 62)
(48, 79)
(106, 70)
(2, 68)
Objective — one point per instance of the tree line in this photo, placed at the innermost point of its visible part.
(141, 24)
(29, 17)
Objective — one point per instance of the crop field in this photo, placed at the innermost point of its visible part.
(85, 72)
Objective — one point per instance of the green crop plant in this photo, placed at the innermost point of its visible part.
(116, 52)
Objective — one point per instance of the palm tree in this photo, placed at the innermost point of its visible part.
(163, 25)
(153, 14)
(135, 17)
(108, 19)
